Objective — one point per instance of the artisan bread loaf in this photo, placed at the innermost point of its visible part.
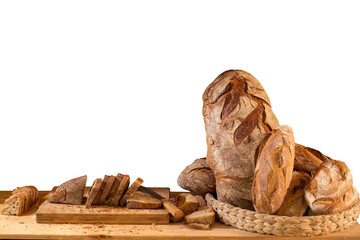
(308, 159)
(70, 192)
(273, 170)
(294, 203)
(331, 189)
(198, 178)
(238, 116)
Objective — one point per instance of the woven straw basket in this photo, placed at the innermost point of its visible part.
(282, 225)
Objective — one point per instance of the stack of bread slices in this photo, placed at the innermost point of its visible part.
(20, 201)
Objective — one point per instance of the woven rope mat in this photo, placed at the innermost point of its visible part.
(282, 225)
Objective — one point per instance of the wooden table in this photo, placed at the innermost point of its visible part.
(25, 227)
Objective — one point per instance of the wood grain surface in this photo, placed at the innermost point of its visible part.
(25, 227)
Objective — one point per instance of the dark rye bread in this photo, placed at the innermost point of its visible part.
(123, 186)
(131, 190)
(70, 192)
(103, 184)
(198, 178)
(93, 192)
(238, 116)
(106, 189)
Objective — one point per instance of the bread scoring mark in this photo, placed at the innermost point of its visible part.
(246, 127)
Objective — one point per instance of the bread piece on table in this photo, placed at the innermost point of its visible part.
(294, 203)
(331, 189)
(198, 178)
(199, 226)
(308, 159)
(113, 199)
(93, 192)
(123, 186)
(187, 203)
(274, 170)
(143, 201)
(238, 116)
(106, 189)
(70, 192)
(103, 184)
(131, 190)
(204, 215)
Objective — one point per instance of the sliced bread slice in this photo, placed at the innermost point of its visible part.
(131, 190)
(93, 192)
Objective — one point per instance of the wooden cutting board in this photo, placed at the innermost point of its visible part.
(66, 213)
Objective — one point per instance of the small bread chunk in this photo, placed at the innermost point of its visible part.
(107, 189)
(143, 201)
(103, 184)
(205, 215)
(93, 192)
(199, 226)
(20, 201)
(187, 203)
(131, 190)
(123, 186)
(70, 192)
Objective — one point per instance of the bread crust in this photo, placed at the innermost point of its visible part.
(238, 116)
(308, 159)
(331, 189)
(273, 170)
(294, 203)
(198, 178)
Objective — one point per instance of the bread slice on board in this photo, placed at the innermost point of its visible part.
(187, 203)
(20, 201)
(103, 184)
(93, 192)
(143, 201)
(204, 215)
(106, 189)
(115, 186)
(131, 190)
(123, 186)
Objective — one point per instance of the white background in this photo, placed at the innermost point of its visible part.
(105, 87)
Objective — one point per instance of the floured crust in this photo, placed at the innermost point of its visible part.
(331, 189)
(274, 170)
(238, 116)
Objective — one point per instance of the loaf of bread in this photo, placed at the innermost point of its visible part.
(294, 203)
(331, 189)
(20, 201)
(237, 115)
(308, 159)
(187, 203)
(70, 192)
(198, 178)
(273, 170)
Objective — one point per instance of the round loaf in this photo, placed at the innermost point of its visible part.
(198, 178)
(273, 170)
(331, 189)
(308, 159)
